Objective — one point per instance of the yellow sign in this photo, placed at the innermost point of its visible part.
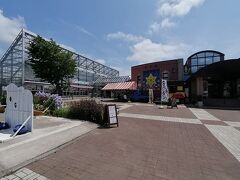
(151, 80)
(179, 88)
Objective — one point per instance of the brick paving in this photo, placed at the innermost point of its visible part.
(143, 149)
(226, 115)
(147, 149)
(181, 112)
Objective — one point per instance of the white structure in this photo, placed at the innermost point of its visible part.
(19, 108)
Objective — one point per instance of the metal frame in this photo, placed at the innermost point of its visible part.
(207, 54)
(14, 66)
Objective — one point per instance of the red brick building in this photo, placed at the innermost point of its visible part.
(172, 70)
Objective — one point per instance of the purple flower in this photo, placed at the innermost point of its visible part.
(58, 102)
(44, 97)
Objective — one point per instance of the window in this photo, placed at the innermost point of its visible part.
(138, 81)
(216, 59)
(194, 62)
(201, 55)
(194, 69)
(201, 61)
(209, 60)
(165, 75)
(208, 54)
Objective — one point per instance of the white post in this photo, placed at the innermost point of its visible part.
(23, 57)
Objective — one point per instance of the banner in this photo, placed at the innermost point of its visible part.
(164, 91)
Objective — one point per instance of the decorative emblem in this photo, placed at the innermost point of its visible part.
(151, 80)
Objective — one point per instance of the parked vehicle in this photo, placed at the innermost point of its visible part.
(139, 96)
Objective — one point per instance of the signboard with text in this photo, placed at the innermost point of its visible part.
(112, 114)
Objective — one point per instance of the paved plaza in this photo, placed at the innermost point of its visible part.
(150, 143)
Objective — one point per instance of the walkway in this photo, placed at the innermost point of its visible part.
(151, 143)
(49, 134)
(145, 146)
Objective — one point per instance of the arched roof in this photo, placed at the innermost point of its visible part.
(212, 51)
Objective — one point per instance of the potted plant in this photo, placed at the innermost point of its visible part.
(38, 110)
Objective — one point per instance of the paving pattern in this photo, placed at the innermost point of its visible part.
(203, 115)
(161, 118)
(225, 115)
(228, 136)
(24, 174)
(233, 124)
(150, 143)
(146, 109)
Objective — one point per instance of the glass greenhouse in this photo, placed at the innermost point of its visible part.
(15, 67)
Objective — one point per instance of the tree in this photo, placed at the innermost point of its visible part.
(51, 63)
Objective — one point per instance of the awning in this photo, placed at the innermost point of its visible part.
(121, 86)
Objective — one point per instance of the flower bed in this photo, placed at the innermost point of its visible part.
(88, 110)
(46, 103)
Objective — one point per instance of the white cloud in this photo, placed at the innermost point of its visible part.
(156, 27)
(148, 51)
(10, 27)
(177, 8)
(166, 23)
(101, 61)
(68, 47)
(123, 71)
(170, 9)
(84, 31)
(125, 37)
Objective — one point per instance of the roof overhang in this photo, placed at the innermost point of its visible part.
(227, 69)
(132, 85)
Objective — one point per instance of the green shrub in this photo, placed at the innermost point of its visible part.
(3, 100)
(87, 110)
(62, 112)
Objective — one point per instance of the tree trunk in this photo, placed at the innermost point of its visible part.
(58, 89)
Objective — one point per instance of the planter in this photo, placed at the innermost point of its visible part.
(38, 113)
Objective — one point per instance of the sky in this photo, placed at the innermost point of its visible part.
(123, 33)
